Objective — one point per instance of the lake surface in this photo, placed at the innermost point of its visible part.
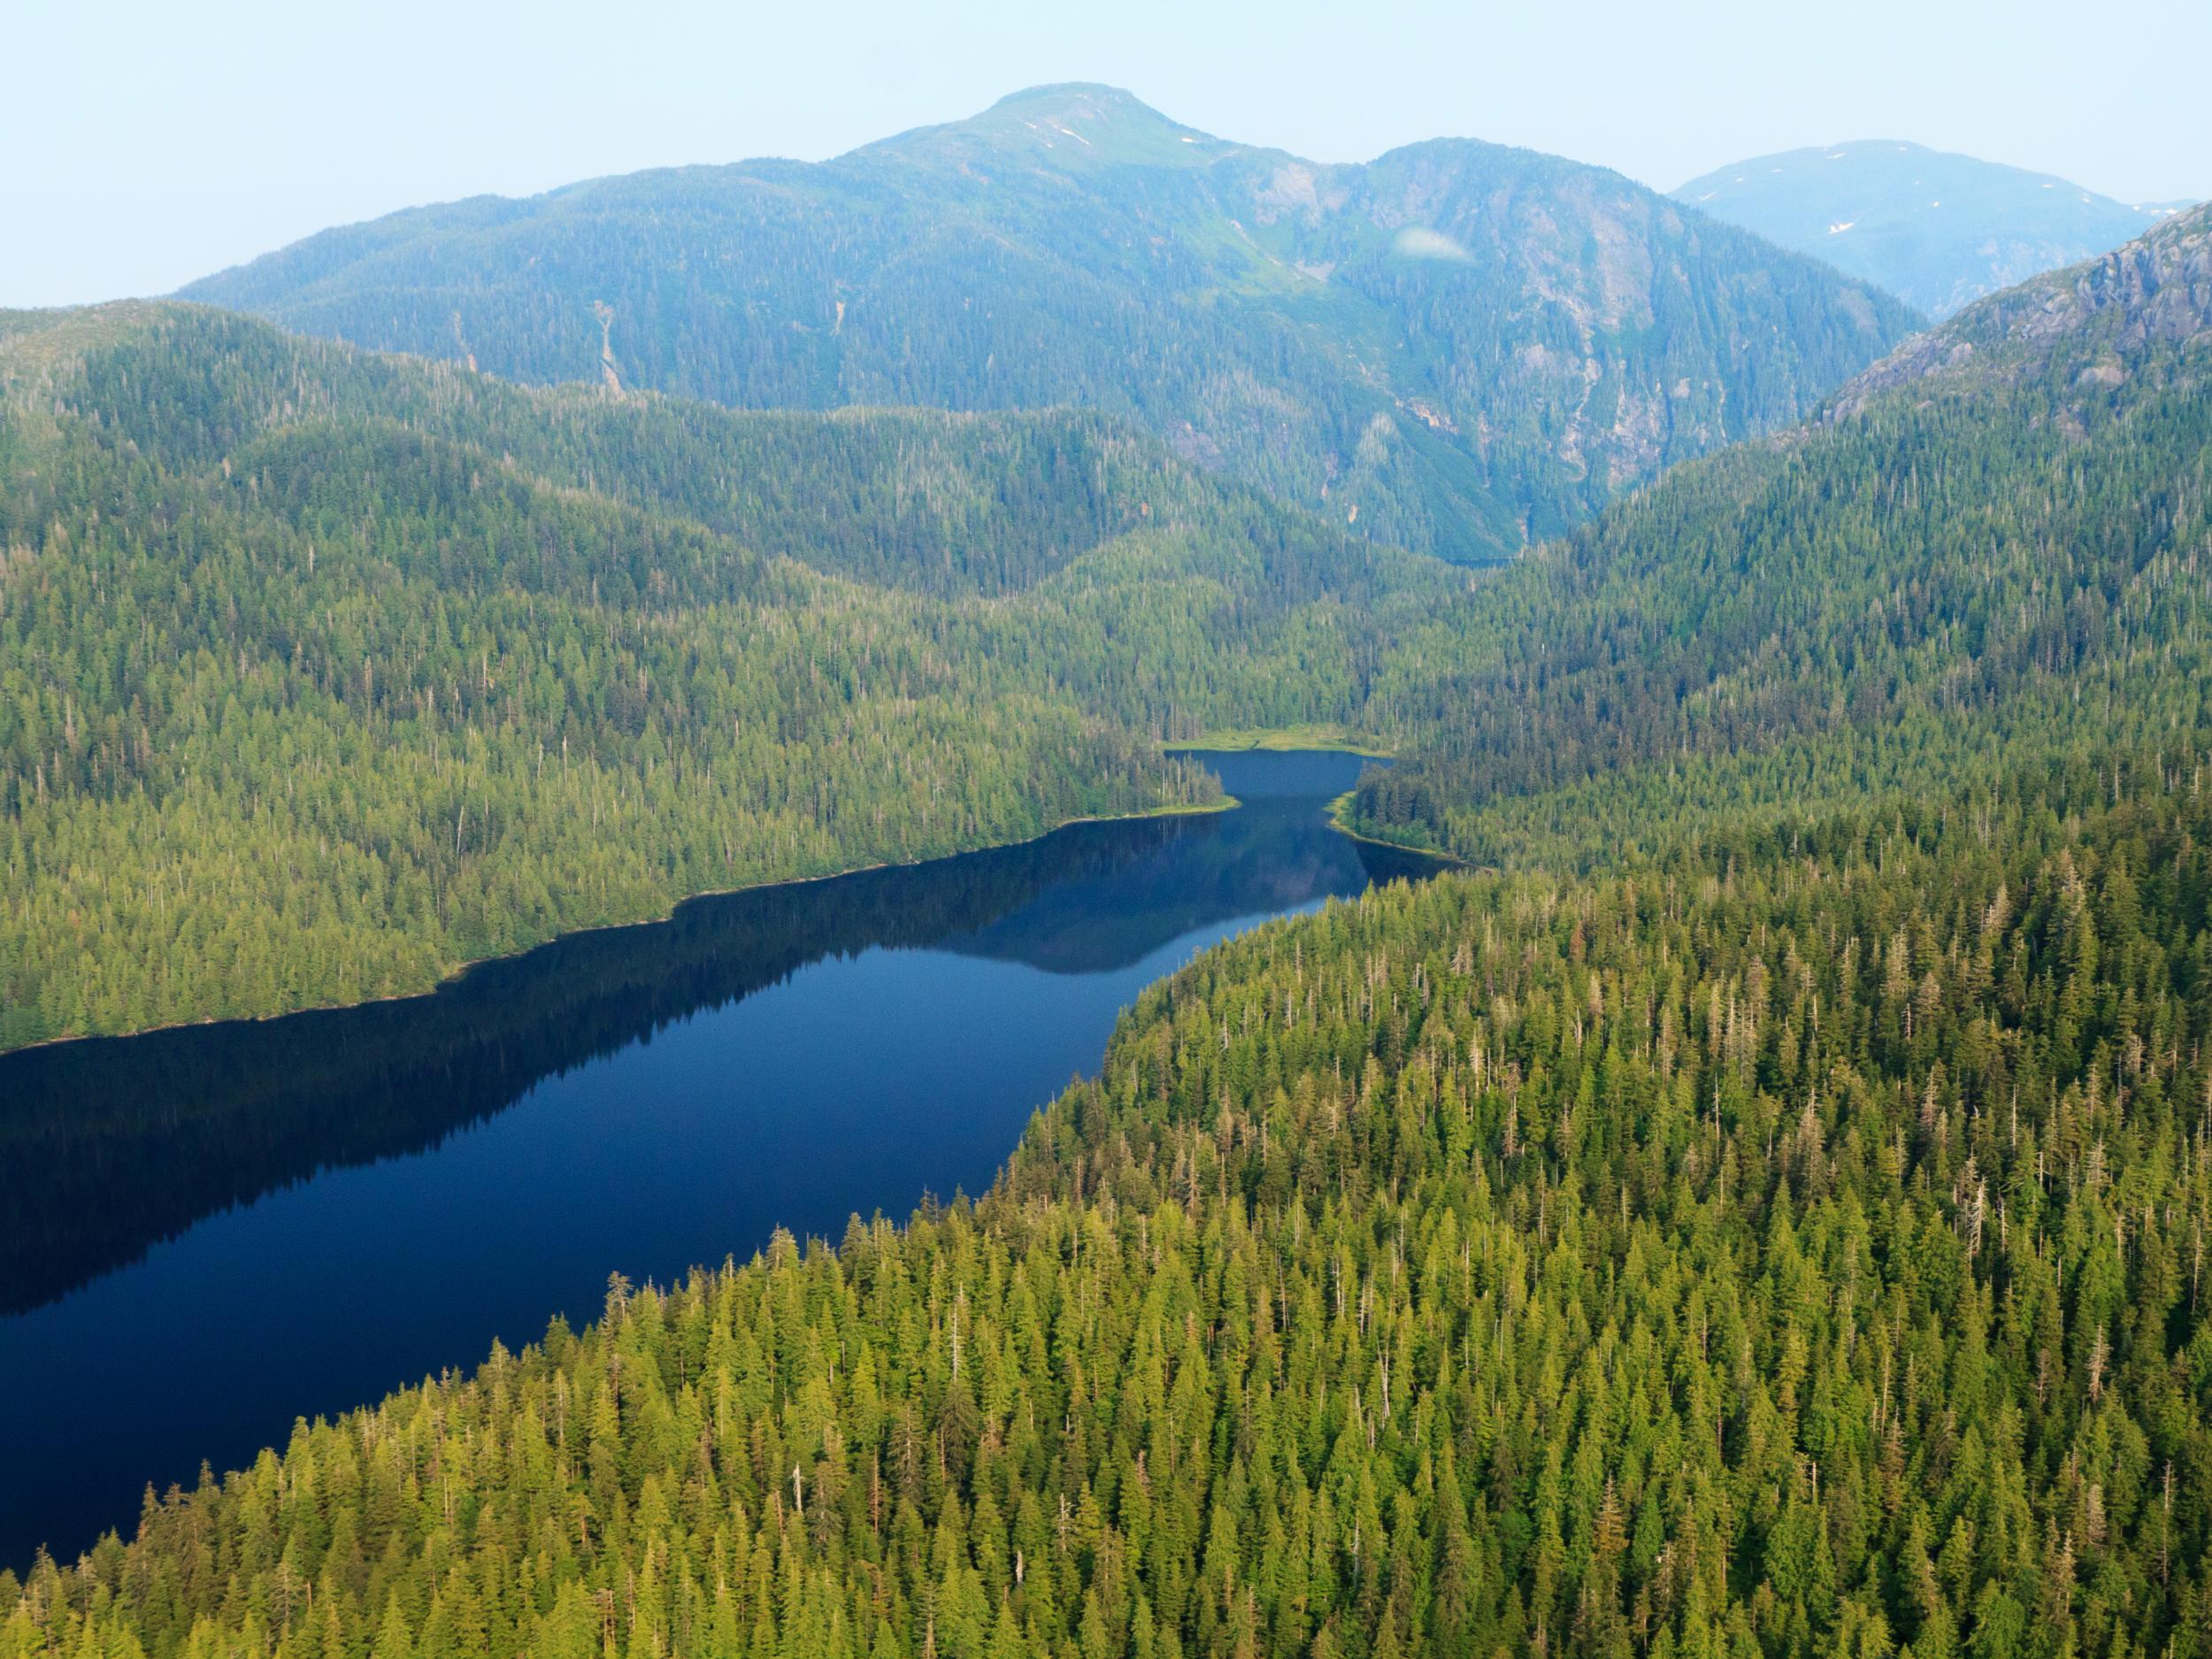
(205, 1233)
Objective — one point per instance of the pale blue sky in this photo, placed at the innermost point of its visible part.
(147, 144)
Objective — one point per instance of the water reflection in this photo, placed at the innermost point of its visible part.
(203, 1232)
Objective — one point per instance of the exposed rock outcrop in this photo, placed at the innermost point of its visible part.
(2153, 291)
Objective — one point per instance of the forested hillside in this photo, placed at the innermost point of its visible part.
(321, 673)
(1458, 347)
(1792, 1249)
(1996, 547)
(326, 671)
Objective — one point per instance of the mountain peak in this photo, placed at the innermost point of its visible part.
(1069, 124)
(1095, 94)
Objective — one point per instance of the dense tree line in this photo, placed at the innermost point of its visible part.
(321, 673)
(1794, 1248)
(915, 498)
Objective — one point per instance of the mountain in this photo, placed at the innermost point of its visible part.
(1986, 557)
(1936, 229)
(1458, 347)
(2098, 320)
(325, 672)
(330, 671)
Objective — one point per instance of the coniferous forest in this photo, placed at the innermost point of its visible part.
(327, 673)
(1793, 1248)
(1758, 1205)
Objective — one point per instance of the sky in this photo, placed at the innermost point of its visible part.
(143, 144)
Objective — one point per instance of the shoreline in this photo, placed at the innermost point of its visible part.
(1338, 822)
(460, 971)
(1332, 740)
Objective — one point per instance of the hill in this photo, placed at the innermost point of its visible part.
(1458, 347)
(322, 673)
(1989, 552)
(1938, 230)
(1773, 1229)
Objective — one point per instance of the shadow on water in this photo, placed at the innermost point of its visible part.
(360, 1194)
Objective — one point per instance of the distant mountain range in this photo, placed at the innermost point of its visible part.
(1456, 347)
(1937, 230)
(2092, 327)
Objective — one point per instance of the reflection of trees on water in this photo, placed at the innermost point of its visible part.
(109, 1147)
(1270, 854)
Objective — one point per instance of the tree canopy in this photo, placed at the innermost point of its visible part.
(1794, 1248)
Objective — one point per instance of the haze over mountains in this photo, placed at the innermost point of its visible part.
(1936, 229)
(1456, 347)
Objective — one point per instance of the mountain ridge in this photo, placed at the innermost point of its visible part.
(1985, 556)
(1458, 347)
(2154, 289)
(1937, 228)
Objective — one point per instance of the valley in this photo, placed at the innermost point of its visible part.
(329, 673)
(1069, 889)
(472, 1162)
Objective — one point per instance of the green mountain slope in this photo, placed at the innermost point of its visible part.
(1938, 230)
(1992, 550)
(1458, 347)
(322, 673)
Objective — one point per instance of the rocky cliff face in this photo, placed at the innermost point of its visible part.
(2106, 311)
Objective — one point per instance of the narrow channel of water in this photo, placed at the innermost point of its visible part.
(205, 1233)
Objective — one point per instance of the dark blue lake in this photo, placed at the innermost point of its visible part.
(206, 1233)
